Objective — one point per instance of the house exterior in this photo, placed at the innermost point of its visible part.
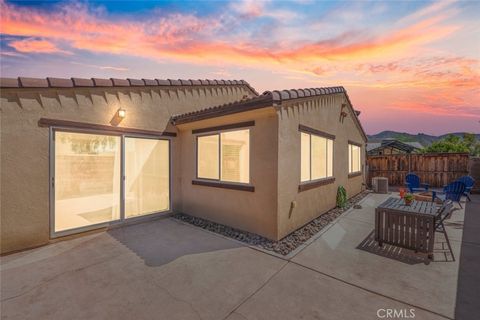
(392, 146)
(87, 154)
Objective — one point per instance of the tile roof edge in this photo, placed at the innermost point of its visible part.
(253, 103)
(283, 95)
(50, 82)
(279, 96)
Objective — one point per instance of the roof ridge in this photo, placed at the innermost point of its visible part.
(280, 95)
(273, 96)
(52, 82)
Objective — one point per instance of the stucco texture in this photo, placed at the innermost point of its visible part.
(274, 154)
(24, 200)
(321, 113)
(251, 211)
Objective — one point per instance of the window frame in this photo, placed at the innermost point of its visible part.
(123, 220)
(313, 183)
(246, 186)
(351, 144)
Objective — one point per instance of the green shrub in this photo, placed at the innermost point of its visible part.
(341, 197)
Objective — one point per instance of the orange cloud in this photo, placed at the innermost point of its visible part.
(186, 37)
(37, 46)
(436, 109)
(405, 65)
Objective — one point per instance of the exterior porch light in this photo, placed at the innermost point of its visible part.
(121, 113)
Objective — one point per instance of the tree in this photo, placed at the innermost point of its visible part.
(451, 143)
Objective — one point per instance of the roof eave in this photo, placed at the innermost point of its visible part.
(259, 102)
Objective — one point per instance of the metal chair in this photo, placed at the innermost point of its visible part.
(442, 214)
(412, 181)
(469, 182)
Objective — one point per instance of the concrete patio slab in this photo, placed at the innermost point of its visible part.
(165, 269)
(156, 270)
(347, 252)
(366, 214)
(467, 307)
(299, 293)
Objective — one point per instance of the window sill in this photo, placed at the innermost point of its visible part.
(224, 185)
(314, 184)
(355, 174)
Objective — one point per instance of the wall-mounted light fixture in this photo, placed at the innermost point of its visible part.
(121, 113)
(118, 117)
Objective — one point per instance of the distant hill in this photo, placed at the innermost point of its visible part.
(423, 139)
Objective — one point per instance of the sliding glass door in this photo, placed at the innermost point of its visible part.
(147, 176)
(87, 179)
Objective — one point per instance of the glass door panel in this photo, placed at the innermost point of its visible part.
(147, 176)
(87, 179)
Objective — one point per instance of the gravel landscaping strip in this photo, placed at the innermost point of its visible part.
(283, 246)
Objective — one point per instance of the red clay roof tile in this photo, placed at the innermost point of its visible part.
(9, 83)
(33, 82)
(120, 82)
(136, 82)
(99, 82)
(60, 82)
(80, 82)
(150, 82)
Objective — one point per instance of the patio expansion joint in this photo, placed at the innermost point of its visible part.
(45, 282)
(370, 291)
(174, 297)
(234, 310)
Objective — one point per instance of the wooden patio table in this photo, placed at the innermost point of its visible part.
(410, 227)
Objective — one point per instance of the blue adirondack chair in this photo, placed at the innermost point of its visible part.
(469, 182)
(453, 191)
(412, 181)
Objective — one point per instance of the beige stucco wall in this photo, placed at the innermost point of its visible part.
(24, 166)
(250, 211)
(321, 113)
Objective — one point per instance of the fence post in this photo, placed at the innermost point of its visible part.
(409, 162)
(474, 171)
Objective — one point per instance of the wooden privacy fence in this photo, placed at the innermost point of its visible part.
(437, 169)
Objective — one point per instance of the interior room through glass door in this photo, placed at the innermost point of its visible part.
(86, 179)
(147, 176)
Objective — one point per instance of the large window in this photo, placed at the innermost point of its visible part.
(354, 159)
(316, 157)
(224, 156)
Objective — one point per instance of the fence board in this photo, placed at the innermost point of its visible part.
(437, 169)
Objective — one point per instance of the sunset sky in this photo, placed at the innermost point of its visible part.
(409, 66)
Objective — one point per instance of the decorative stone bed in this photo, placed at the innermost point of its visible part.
(283, 246)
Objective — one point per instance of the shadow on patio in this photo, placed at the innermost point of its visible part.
(441, 252)
(162, 241)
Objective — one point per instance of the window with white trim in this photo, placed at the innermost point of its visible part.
(354, 159)
(224, 156)
(316, 157)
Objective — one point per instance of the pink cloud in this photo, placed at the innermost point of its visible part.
(400, 63)
(187, 37)
(36, 46)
